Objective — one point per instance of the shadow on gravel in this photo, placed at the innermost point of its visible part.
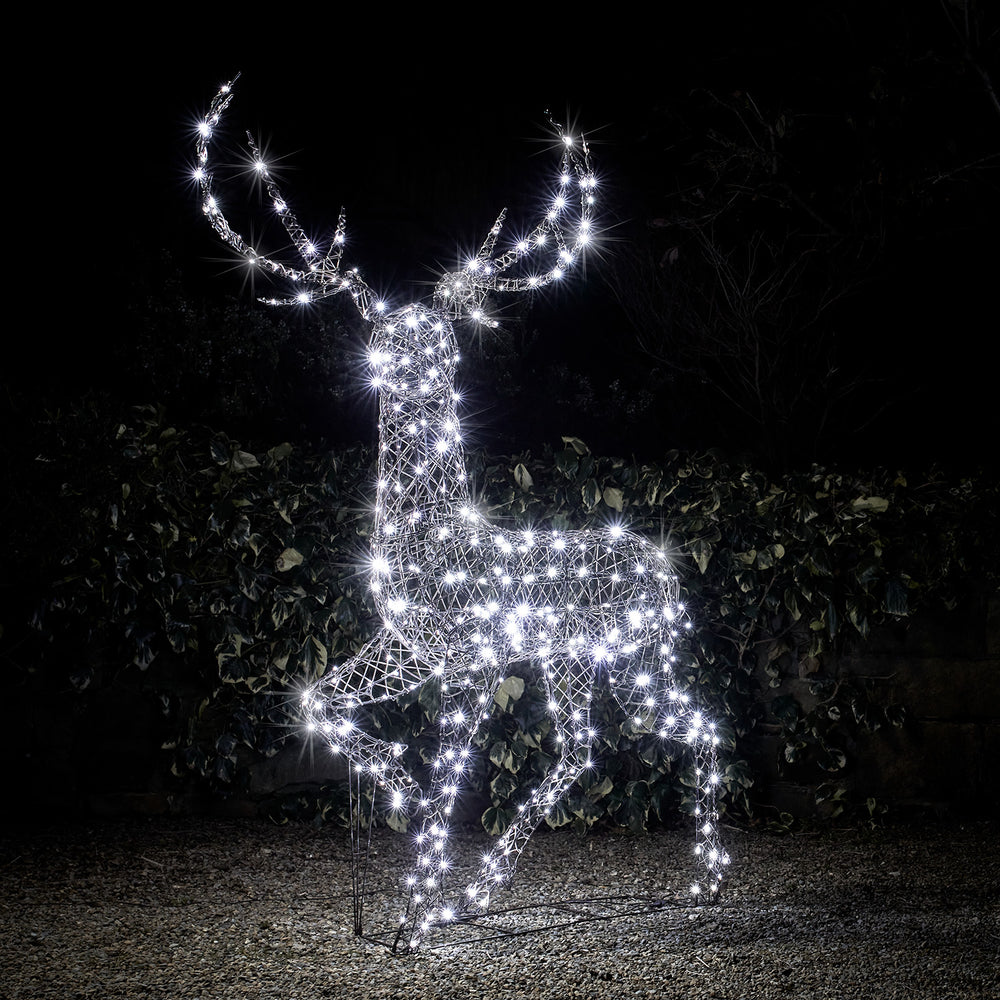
(206, 909)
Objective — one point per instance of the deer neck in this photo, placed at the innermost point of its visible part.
(421, 464)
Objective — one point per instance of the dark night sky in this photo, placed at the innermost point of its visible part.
(424, 129)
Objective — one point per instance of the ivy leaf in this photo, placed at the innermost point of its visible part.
(577, 445)
(567, 462)
(600, 789)
(429, 698)
(833, 759)
(532, 736)
(635, 806)
(313, 657)
(499, 753)
(280, 451)
(144, 652)
(288, 559)
(896, 599)
(858, 619)
(241, 531)
(522, 477)
(508, 692)
(541, 764)
(251, 585)
(786, 710)
(895, 715)
(397, 820)
(177, 633)
(587, 810)
(503, 786)
(738, 774)
(874, 504)
(497, 819)
(559, 814)
(243, 460)
(233, 669)
(614, 498)
(701, 552)
(792, 604)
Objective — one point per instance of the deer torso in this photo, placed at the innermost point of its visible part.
(451, 582)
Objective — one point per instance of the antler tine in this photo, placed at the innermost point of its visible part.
(336, 251)
(464, 291)
(328, 265)
(486, 250)
(323, 274)
(571, 164)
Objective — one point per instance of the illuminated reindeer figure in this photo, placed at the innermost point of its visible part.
(461, 599)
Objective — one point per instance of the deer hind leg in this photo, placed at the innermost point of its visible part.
(655, 705)
(498, 866)
(569, 705)
(710, 852)
(464, 706)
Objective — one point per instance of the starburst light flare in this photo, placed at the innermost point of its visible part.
(461, 599)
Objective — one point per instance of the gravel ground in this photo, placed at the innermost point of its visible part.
(232, 909)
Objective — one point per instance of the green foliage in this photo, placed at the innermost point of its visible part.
(220, 579)
(229, 578)
(776, 573)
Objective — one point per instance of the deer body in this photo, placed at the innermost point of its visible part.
(462, 599)
(446, 578)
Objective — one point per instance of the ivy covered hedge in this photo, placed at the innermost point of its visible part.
(217, 580)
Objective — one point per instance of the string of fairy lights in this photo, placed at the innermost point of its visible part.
(461, 599)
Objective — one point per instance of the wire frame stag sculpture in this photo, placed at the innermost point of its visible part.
(461, 599)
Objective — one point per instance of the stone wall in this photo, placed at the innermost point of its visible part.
(945, 670)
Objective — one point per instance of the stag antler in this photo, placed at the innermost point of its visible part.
(322, 276)
(462, 292)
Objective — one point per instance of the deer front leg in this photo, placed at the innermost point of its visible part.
(330, 707)
(464, 706)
